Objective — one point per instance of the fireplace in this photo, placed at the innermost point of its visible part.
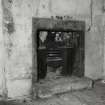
(58, 56)
(58, 48)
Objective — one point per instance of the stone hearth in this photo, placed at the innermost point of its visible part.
(49, 87)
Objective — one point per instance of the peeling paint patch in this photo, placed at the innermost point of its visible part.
(7, 15)
(10, 27)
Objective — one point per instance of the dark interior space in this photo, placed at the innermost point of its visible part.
(60, 53)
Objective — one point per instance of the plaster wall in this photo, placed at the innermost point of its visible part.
(2, 56)
(104, 47)
(94, 43)
(17, 23)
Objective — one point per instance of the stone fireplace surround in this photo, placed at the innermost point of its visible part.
(49, 24)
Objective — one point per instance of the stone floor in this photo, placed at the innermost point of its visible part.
(94, 96)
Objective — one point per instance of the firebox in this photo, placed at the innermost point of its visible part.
(58, 48)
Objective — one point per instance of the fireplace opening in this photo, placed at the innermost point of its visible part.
(60, 53)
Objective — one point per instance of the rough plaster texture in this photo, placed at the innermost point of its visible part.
(1, 50)
(104, 46)
(95, 44)
(18, 42)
